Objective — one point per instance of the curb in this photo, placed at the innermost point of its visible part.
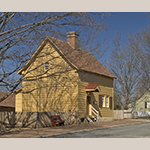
(85, 130)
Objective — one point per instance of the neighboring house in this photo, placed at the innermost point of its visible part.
(8, 104)
(60, 76)
(142, 104)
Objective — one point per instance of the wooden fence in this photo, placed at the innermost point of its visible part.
(31, 119)
(122, 114)
(127, 114)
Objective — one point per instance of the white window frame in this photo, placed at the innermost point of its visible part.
(103, 101)
(107, 101)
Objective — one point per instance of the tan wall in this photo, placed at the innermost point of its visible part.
(95, 78)
(18, 102)
(55, 89)
(60, 88)
(105, 88)
(82, 99)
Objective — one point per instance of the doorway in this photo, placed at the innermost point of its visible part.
(87, 105)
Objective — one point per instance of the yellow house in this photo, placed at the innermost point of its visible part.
(61, 76)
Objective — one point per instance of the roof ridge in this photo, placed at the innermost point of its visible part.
(81, 59)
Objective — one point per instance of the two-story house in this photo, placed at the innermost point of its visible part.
(61, 76)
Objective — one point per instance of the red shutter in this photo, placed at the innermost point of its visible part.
(100, 101)
(110, 102)
(145, 104)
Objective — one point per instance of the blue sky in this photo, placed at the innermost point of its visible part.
(125, 22)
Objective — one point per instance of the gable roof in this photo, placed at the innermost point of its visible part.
(136, 99)
(9, 101)
(80, 58)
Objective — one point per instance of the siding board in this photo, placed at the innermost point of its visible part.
(61, 88)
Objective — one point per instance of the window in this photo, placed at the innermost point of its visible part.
(147, 104)
(46, 66)
(107, 101)
(103, 101)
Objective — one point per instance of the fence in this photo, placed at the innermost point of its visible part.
(143, 113)
(127, 114)
(118, 114)
(31, 119)
(122, 114)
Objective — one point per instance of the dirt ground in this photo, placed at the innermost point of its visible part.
(43, 132)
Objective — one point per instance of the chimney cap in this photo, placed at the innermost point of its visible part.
(73, 33)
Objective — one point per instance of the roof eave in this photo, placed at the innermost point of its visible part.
(98, 73)
(28, 62)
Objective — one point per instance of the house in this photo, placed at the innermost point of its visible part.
(8, 104)
(61, 76)
(142, 104)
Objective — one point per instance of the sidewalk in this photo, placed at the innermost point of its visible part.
(43, 132)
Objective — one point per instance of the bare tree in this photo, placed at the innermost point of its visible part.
(20, 33)
(123, 64)
(143, 56)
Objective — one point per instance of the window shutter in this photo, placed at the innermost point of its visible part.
(110, 102)
(145, 104)
(100, 101)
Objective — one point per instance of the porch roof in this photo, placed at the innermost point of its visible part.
(91, 87)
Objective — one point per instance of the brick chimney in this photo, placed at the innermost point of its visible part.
(139, 93)
(72, 39)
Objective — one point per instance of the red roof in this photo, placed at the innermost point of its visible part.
(9, 101)
(81, 59)
(91, 86)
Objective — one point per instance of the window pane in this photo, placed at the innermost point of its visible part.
(148, 104)
(103, 101)
(46, 66)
